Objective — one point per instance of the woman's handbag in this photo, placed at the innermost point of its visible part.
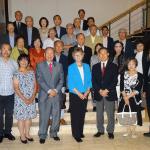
(127, 118)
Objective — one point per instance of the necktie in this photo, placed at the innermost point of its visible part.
(103, 69)
(18, 26)
(50, 67)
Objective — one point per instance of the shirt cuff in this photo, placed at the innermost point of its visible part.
(49, 91)
(56, 91)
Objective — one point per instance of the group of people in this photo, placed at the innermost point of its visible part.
(44, 64)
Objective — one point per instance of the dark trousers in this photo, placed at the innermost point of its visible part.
(6, 107)
(148, 100)
(77, 111)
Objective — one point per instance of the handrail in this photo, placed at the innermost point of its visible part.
(123, 14)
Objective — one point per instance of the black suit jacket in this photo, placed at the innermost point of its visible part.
(109, 81)
(129, 49)
(21, 30)
(87, 55)
(85, 26)
(35, 34)
(110, 45)
(62, 32)
(64, 61)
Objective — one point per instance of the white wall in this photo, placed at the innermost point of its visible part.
(102, 10)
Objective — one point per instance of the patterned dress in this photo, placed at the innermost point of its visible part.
(23, 111)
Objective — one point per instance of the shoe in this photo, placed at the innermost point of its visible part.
(49, 122)
(42, 141)
(147, 134)
(23, 141)
(10, 137)
(78, 140)
(63, 122)
(110, 135)
(82, 136)
(56, 138)
(30, 139)
(1, 139)
(98, 134)
(68, 110)
(94, 109)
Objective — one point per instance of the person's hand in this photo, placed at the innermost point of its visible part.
(86, 95)
(28, 101)
(52, 93)
(81, 96)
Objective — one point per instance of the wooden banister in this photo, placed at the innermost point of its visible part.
(123, 14)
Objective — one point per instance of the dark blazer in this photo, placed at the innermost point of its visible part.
(21, 30)
(64, 61)
(85, 26)
(109, 81)
(110, 45)
(129, 49)
(62, 32)
(5, 39)
(35, 34)
(87, 55)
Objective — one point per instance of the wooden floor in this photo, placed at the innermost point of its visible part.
(89, 143)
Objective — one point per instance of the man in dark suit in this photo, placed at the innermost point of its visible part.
(108, 42)
(87, 50)
(50, 78)
(59, 29)
(10, 36)
(31, 33)
(128, 45)
(81, 14)
(62, 59)
(104, 80)
(20, 27)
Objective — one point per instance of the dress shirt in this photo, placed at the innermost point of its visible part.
(105, 41)
(81, 25)
(81, 47)
(105, 62)
(57, 58)
(7, 70)
(124, 44)
(81, 73)
(92, 38)
(139, 56)
(29, 31)
(12, 40)
(49, 43)
(58, 30)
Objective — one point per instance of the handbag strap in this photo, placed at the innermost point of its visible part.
(124, 109)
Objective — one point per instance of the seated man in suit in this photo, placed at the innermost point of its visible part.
(31, 33)
(83, 24)
(69, 38)
(93, 38)
(20, 27)
(87, 50)
(104, 80)
(10, 36)
(50, 78)
(61, 58)
(128, 45)
(59, 29)
(108, 42)
(90, 22)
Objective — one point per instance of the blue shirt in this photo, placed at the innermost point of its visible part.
(29, 31)
(12, 41)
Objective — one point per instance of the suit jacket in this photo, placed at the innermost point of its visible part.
(75, 81)
(21, 30)
(88, 42)
(47, 80)
(109, 81)
(87, 55)
(62, 32)
(64, 61)
(85, 26)
(35, 34)
(110, 45)
(129, 49)
(5, 39)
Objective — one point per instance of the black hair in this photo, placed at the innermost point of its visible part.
(37, 38)
(130, 59)
(21, 57)
(103, 27)
(98, 44)
(56, 16)
(43, 18)
(81, 10)
(78, 49)
(90, 18)
(103, 48)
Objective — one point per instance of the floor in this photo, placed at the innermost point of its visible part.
(89, 143)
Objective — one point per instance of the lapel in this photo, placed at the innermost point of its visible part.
(47, 72)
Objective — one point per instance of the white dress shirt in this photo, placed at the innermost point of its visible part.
(81, 73)
(49, 42)
(105, 41)
(139, 56)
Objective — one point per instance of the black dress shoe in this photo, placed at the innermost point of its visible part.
(110, 135)
(56, 138)
(30, 139)
(147, 134)
(23, 141)
(1, 139)
(78, 140)
(98, 134)
(10, 137)
(94, 109)
(82, 136)
(42, 141)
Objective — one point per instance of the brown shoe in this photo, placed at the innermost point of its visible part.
(63, 122)
(49, 122)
